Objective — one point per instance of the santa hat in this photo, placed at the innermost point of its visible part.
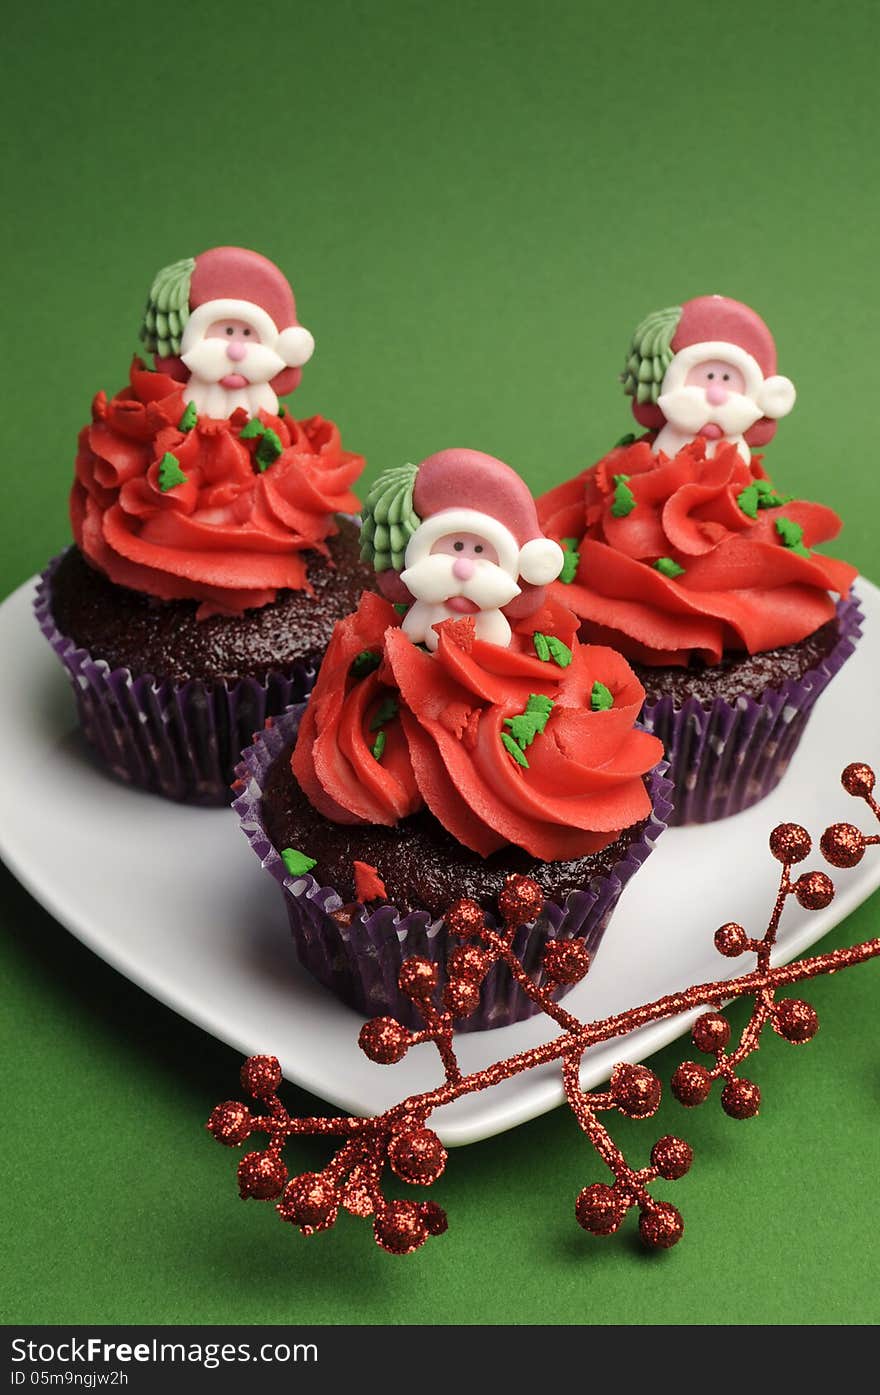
(713, 326)
(465, 491)
(231, 283)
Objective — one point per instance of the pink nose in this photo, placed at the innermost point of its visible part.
(716, 394)
(462, 568)
(235, 351)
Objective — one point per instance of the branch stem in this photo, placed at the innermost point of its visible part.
(591, 1033)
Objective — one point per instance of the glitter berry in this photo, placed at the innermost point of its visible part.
(401, 1138)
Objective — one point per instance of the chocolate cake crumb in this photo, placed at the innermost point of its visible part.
(738, 675)
(131, 630)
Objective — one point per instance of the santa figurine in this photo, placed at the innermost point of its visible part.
(706, 369)
(225, 323)
(458, 535)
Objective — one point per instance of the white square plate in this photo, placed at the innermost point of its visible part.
(174, 898)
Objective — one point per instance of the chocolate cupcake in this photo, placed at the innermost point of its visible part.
(214, 548)
(431, 762)
(683, 555)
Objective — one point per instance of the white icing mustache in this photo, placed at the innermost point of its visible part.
(207, 360)
(432, 580)
(687, 408)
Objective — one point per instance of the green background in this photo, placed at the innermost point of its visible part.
(475, 204)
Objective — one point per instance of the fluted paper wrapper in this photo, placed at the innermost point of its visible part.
(725, 756)
(180, 740)
(358, 955)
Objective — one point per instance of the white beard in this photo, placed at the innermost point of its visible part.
(421, 618)
(208, 363)
(432, 579)
(212, 400)
(687, 411)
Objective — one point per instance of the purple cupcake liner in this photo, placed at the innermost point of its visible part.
(358, 955)
(728, 755)
(180, 740)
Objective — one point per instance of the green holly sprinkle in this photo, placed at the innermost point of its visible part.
(601, 698)
(251, 430)
(624, 500)
(559, 652)
(367, 661)
(542, 647)
(378, 747)
(514, 750)
(384, 712)
(767, 496)
(666, 566)
(296, 862)
(548, 647)
(529, 724)
(282, 410)
(791, 534)
(760, 494)
(170, 473)
(628, 440)
(189, 418)
(270, 446)
(748, 501)
(570, 561)
(269, 449)
(401, 607)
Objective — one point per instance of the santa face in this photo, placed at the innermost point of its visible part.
(711, 401)
(466, 548)
(238, 337)
(717, 379)
(460, 575)
(462, 570)
(231, 367)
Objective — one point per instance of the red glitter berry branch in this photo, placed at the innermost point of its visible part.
(400, 1137)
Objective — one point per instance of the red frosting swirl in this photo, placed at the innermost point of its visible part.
(234, 533)
(444, 716)
(736, 583)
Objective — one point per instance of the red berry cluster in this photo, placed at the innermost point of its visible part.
(401, 1138)
(634, 1091)
(520, 902)
(312, 1201)
(843, 845)
(601, 1210)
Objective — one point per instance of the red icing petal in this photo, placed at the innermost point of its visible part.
(741, 588)
(231, 534)
(386, 784)
(154, 387)
(584, 781)
(440, 790)
(333, 761)
(118, 457)
(563, 509)
(700, 516)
